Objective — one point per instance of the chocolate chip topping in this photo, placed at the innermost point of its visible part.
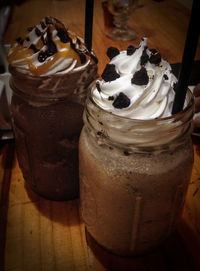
(155, 59)
(112, 52)
(42, 56)
(111, 98)
(165, 77)
(130, 50)
(52, 49)
(109, 73)
(63, 35)
(140, 77)
(38, 32)
(32, 47)
(47, 20)
(43, 25)
(122, 101)
(144, 58)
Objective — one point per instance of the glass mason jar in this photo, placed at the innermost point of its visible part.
(134, 176)
(47, 121)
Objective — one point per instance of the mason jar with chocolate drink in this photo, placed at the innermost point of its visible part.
(135, 157)
(51, 72)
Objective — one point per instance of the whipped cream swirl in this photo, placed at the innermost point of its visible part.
(136, 84)
(49, 48)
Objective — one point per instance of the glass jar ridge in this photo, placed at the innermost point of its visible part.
(139, 135)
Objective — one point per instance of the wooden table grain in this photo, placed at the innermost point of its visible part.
(38, 234)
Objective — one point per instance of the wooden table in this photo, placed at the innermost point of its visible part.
(37, 234)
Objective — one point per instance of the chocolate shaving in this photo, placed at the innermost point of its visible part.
(140, 77)
(112, 52)
(109, 73)
(122, 101)
(130, 50)
(111, 98)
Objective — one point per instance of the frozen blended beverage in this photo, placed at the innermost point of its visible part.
(135, 158)
(51, 73)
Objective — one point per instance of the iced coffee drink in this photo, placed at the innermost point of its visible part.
(52, 71)
(135, 157)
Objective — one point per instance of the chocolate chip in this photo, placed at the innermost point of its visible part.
(38, 32)
(52, 49)
(63, 35)
(122, 101)
(111, 98)
(144, 57)
(48, 20)
(99, 133)
(98, 87)
(130, 50)
(43, 25)
(112, 52)
(140, 77)
(109, 73)
(20, 40)
(155, 59)
(165, 77)
(42, 56)
(32, 47)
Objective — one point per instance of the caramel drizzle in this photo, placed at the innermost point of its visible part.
(52, 54)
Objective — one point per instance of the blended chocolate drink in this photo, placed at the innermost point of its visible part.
(135, 158)
(51, 73)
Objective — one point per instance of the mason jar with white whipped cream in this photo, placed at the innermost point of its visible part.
(135, 160)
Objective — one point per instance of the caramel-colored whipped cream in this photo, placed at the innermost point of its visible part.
(49, 48)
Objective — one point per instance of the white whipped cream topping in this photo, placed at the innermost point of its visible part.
(150, 101)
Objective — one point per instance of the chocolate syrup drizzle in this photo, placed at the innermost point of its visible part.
(51, 46)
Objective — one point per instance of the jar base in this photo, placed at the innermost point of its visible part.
(50, 196)
(93, 243)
